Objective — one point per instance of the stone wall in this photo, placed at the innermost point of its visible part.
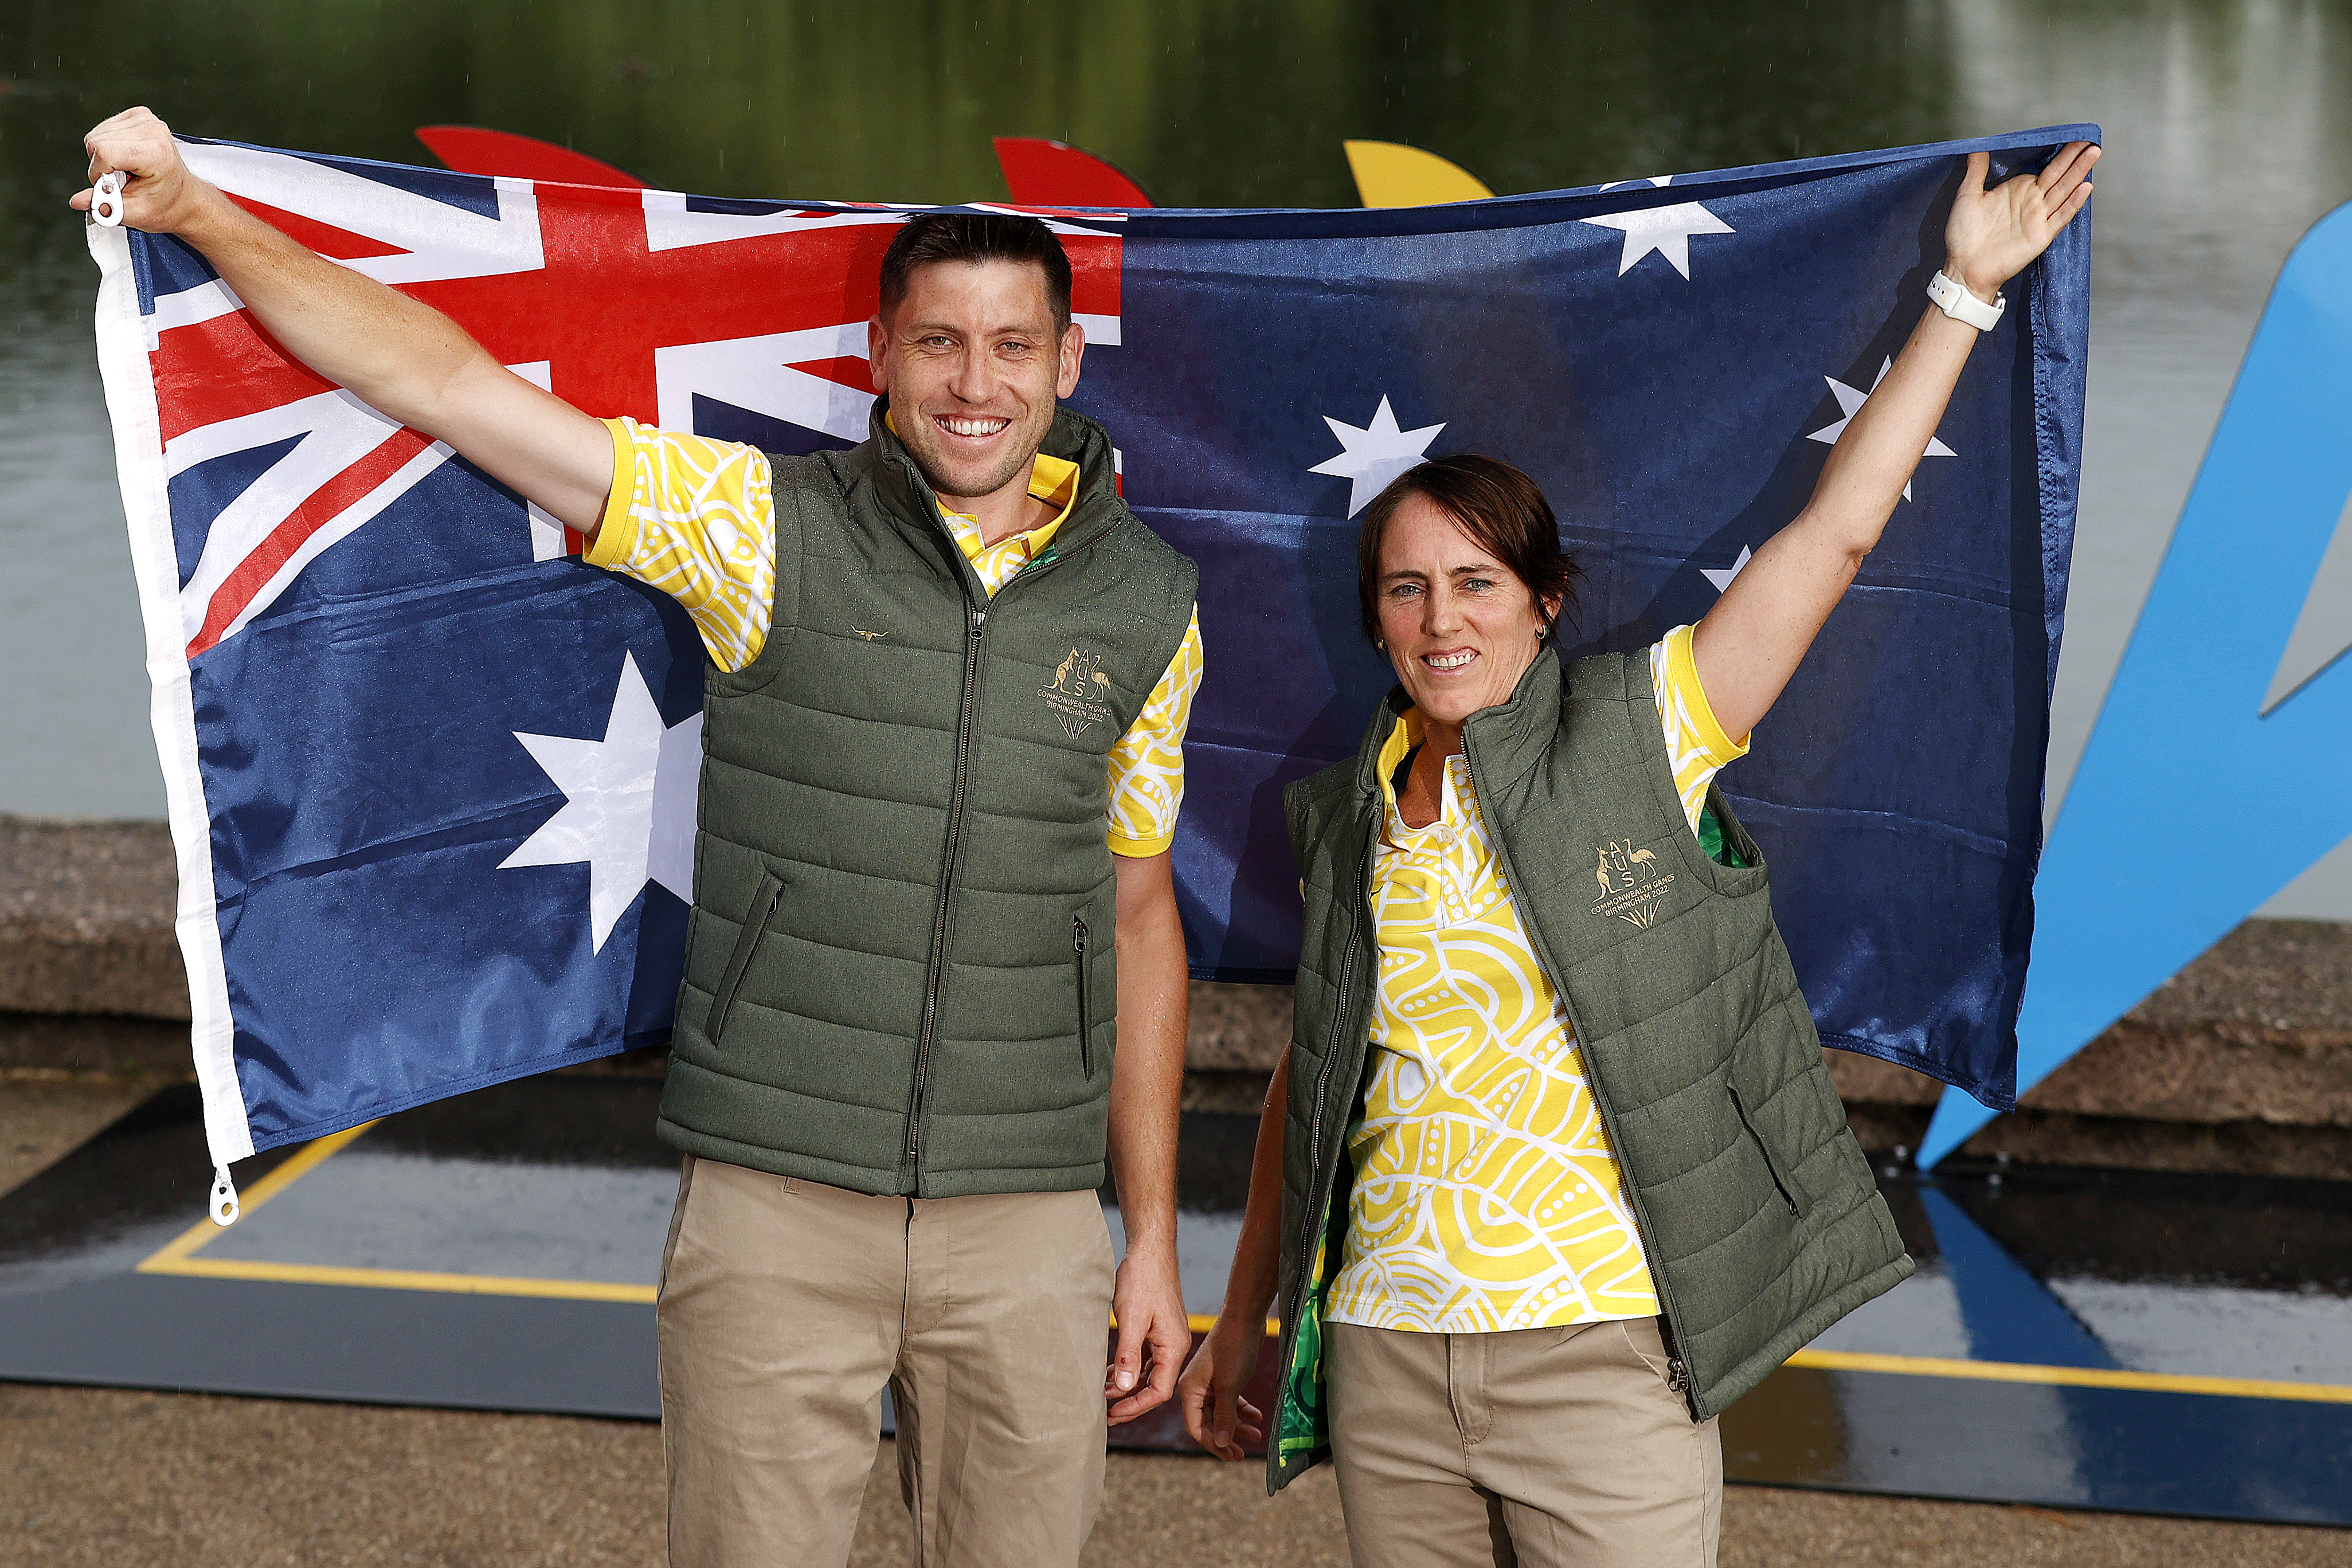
(2243, 1062)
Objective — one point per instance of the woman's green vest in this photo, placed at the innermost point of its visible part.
(1755, 1208)
(900, 976)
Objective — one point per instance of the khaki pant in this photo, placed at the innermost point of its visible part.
(787, 1305)
(1552, 1446)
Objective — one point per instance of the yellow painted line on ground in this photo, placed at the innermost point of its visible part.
(177, 1258)
(173, 1258)
(2071, 1376)
(407, 1280)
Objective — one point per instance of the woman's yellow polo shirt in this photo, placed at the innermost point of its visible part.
(1487, 1196)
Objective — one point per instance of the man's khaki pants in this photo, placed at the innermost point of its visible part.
(1552, 1446)
(788, 1305)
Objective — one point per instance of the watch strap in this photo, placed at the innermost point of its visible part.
(1954, 300)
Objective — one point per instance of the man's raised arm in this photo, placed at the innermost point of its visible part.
(402, 358)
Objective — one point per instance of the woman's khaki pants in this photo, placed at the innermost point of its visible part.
(1553, 1448)
(788, 1305)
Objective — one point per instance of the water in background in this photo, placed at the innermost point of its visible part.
(2229, 132)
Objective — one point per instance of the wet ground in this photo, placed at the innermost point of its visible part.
(2169, 1343)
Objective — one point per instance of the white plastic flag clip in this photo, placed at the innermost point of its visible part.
(106, 212)
(223, 1207)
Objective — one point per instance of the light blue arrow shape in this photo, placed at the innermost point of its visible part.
(2191, 807)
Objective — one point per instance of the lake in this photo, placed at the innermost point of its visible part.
(2228, 128)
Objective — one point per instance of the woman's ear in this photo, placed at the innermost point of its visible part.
(1547, 613)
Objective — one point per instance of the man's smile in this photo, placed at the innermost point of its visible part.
(970, 426)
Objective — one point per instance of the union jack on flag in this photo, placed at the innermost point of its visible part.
(432, 780)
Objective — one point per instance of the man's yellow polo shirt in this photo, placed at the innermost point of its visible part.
(696, 518)
(1487, 1193)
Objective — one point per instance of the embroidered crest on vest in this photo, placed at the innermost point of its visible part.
(1077, 693)
(1631, 886)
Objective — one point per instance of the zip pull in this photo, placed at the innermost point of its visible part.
(1079, 934)
(1677, 1377)
(979, 623)
(223, 1206)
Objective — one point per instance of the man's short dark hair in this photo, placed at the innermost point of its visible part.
(976, 237)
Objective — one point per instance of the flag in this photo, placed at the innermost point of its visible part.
(431, 779)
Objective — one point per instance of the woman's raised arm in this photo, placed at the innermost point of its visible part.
(1750, 643)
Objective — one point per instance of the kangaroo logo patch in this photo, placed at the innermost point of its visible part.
(1077, 693)
(1632, 884)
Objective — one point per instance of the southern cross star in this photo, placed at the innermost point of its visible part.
(628, 808)
(1666, 230)
(1722, 576)
(1374, 454)
(1850, 404)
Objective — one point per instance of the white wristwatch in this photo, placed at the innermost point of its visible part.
(1954, 300)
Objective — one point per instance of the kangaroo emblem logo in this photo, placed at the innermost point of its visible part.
(1632, 884)
(1078, 692)
(869, 636)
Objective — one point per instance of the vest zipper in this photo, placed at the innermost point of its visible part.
(1756, 1137)
(746, 942)
(1086, 997)
(972, 650)
(1667, 1307)
(1322, 1088)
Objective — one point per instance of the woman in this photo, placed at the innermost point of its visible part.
(1553, 1172)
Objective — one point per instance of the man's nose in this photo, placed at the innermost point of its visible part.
(974, 380)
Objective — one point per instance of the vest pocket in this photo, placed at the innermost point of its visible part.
(764, 898)
(1763, 1146)
(1086, 995)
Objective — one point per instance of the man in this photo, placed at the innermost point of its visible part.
(943, 665)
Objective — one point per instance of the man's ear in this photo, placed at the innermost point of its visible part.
(1074, 348)
(877, 354)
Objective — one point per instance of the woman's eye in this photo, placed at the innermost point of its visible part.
(1478, 584)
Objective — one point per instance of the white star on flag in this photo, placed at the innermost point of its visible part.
(1850, 404)
(628, 808)
(1374, 454)
(1722, 576)
(1666, 230)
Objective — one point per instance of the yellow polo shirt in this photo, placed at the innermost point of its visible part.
(696, 518)
(1487, 1193)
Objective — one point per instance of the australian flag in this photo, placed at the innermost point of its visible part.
(431, 779)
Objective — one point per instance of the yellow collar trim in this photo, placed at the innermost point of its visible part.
(1398, 745)
(1053, 480)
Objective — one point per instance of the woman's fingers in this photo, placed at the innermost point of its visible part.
(2068, 170)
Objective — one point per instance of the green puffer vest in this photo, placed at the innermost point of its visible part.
(1755, 1208)
(900, 976)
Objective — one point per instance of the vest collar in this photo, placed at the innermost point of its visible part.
(1502, 741)
(906, 496)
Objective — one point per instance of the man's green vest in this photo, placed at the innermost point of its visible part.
(1755, 1208)
(900, 976)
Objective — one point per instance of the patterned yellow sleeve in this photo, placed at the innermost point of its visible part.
(1694, 742)
(695, 518)
(1146, 766)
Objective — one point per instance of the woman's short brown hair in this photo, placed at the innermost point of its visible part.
(1502, 510)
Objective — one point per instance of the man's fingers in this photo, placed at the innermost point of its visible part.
(1119, 1376)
